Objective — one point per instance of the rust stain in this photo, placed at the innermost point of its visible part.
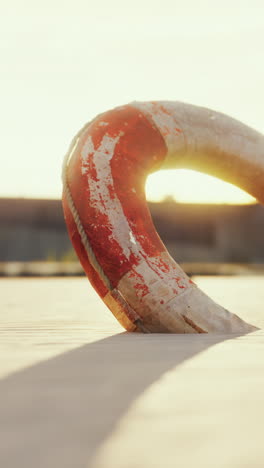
(193, 325)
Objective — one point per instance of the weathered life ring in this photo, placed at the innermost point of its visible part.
(109, 223)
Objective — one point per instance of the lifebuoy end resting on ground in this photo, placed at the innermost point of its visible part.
(109, 222)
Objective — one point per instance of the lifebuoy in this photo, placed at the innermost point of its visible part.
(109, 223)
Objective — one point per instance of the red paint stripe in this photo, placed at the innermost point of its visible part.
(139, 151)
(75, 238)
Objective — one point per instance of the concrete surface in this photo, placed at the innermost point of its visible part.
(76, 391)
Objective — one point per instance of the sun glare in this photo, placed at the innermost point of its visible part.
(187, 186)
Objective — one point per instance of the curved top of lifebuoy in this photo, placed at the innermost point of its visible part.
(108, 220)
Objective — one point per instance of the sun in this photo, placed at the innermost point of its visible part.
(187, 186)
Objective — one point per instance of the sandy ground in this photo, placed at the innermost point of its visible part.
(78, 392)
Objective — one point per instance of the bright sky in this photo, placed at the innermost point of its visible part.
(63, 62)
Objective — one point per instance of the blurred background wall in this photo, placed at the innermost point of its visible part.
(33, 229)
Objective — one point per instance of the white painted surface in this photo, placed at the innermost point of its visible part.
(99, 191)
(194, 130)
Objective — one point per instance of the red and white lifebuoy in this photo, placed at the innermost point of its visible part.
(109, 222)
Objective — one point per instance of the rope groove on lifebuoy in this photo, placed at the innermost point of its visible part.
(110, 226)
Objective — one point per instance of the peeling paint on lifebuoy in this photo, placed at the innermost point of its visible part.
(109, 222)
